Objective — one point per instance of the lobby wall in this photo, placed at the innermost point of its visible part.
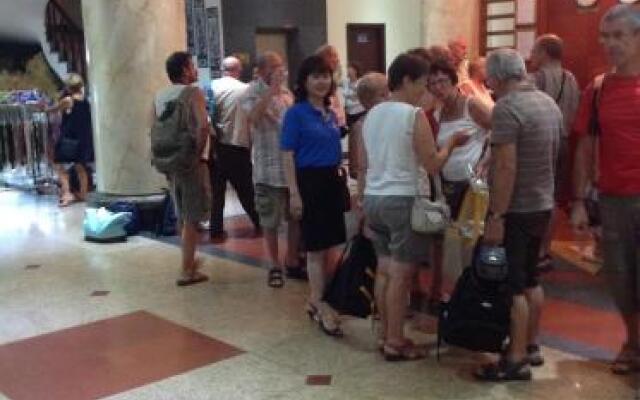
(305, 20)
(402, 19)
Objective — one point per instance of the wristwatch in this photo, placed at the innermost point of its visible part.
(496, 216)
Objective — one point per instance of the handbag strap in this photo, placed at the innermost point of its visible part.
(437, 184)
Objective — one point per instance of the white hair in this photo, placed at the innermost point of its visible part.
(506, 65)
(231, 63)
(624, 11)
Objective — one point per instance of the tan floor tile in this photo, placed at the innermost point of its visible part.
(245, 377)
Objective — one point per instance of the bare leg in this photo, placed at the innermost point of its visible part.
(271, 245)
(189, 241)
(380, 291)
(519, 325)
(315, 267)
(397, 290)
(293, 243)
(66, 197)
(84, 181)
(535, 300)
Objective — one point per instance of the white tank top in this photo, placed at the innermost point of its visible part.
(456, 168)
(388, 140)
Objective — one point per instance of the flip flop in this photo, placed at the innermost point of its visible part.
(192, 279)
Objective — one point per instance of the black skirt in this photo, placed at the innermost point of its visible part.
(323, 207)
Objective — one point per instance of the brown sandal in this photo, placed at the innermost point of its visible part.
(408, 351)
(192, 279)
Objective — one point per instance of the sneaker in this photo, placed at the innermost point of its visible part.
(534, 355)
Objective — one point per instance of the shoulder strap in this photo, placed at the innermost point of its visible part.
(594, 118)
(437, 183)
(564, 80)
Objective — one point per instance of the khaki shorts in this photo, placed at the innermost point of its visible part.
(191, 193)
(272, 205)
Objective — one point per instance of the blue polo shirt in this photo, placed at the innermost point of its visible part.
(314, 139)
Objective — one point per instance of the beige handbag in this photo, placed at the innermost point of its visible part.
(430, 216)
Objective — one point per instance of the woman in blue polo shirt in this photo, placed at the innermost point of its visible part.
(312, 154)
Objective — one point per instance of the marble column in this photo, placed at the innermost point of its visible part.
(127, 44)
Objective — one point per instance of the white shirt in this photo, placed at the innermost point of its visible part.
(457, 166)
(388, 140)
(226, 92)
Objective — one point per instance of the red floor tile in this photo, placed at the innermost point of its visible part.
(104, 358)
(583, 324)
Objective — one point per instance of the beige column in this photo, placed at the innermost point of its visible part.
(127, 44)
(444, 20)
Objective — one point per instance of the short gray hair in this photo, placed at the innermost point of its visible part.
(265, 58)
(624, 11)
(506, 65)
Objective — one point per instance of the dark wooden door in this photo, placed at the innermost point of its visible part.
(579, 29)
(366, 46)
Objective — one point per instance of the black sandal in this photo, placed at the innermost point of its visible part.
(275, 279)
(298, 273)
(626, 362)
(505, 370)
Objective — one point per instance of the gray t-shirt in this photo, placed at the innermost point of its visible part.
(532, 120)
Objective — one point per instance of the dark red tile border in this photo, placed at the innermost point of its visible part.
(104, 358)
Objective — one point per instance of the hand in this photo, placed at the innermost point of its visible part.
(482, 170)
(66, 103)
(579, 217)
(295, 206)
(276, 80)
(494, 232)
(459, 139)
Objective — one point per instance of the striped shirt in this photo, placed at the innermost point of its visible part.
(532, 120)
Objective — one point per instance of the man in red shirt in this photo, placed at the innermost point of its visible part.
(613, 133)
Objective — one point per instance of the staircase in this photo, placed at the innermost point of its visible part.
(64, 46)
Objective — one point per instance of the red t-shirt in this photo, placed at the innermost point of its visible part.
(619, 141)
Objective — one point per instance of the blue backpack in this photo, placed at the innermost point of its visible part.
(103, 226)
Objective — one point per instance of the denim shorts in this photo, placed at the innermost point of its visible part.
(389, 218)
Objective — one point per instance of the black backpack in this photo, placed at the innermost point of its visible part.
(351, 289)
(478, 315)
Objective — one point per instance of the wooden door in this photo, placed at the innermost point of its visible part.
(366, 46)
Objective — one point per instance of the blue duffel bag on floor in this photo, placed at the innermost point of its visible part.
(133, 227)
(104, 226)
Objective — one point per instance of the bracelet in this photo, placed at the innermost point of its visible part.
(496, 216)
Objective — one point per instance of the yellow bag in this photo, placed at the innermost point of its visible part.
(460, 238)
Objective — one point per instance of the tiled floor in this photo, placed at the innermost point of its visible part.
(233, 337)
